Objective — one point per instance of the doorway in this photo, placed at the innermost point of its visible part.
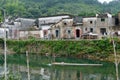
(103, 31)
(77, 33)
(57, 33)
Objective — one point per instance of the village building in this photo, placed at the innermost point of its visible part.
(104, 23)
(10, 28)
(29, 34)
(45, 24)
(89, 25)
(116, 28)
(15, 27)
(28, 29)
(67, 28)
(2, 33)
(99, 26)
(25, 23)
(89, 28)
(63, 29)
(77, 24)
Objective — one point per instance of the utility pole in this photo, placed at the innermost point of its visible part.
(5, 48)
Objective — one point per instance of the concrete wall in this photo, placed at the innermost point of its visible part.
(89, 23)
(27, 34)
(107, 24)
(98, 24)
(64, 28)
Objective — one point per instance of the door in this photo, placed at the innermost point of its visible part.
(103, 31)
(77, 33)
(57, 33)
(45, 32)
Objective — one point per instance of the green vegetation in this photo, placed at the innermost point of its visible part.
(90, 49)
(37, 8)
(1, 18)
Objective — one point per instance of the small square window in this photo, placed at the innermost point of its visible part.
(65, 23)
(102, 19)
(69, 31)
(91, 22)
(103, 31)
(85, 29)
(91, 29)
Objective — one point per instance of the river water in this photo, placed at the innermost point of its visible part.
(40, 68)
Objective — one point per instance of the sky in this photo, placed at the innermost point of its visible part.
(105, 0)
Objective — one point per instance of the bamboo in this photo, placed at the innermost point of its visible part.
(5, 48)
(5, 57)
(116, 62)
(28, 69)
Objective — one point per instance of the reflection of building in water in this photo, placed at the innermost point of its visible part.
(45, 74)
(36, 74)
(78, 75)
(61, 74)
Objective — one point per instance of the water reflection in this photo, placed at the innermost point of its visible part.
(38, 70)
(50, 73)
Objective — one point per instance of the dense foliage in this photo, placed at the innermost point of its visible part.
(37, 8)
(95, 49)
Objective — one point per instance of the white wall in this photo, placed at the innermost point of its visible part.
(2, 32)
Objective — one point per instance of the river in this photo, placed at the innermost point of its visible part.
(40, 68)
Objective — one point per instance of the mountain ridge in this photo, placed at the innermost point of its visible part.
(38, 8)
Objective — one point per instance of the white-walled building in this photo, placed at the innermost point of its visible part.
(89, 24)
(101, 25)
(45, 24)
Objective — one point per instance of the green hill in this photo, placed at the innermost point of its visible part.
(37, 8)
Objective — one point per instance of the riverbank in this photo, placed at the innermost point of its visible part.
(89, 49)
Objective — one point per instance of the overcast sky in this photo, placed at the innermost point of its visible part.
(105, 0)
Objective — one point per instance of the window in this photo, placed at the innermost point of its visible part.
(45, 32)
(85, 29)
(102, 19)
(69, 31)
(103, 31)
(91, 22)
(57, 33)
(91, 29)
(65, 23)
(116, 21)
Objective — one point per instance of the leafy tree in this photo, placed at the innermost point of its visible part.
(37, 8)
(1, 17)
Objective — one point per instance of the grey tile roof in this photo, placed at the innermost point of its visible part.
(51, 20)
(25, 23)
(102, 15)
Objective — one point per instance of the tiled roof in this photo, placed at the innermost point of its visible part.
(102, 16)
(49, 20)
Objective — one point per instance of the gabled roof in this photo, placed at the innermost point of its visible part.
(103, 15)
(52, 20)
(25, 22)
(24, 19)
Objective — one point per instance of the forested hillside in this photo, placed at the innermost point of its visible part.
(37, 8)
